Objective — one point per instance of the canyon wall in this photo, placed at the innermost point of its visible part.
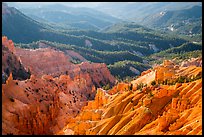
(55, 63)
(44, 104)
(11, 63)
(154, 110)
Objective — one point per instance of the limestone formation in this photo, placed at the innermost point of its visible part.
(46, 61)
(11, 63)
(45, 104)
(157, 110)
(192, 61)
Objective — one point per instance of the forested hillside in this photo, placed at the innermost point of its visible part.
(120, 45)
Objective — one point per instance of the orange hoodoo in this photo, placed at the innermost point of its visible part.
(8, 43)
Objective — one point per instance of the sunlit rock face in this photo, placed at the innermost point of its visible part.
(152, 110)
(8, 43)
(55, 63)
(44, 61)
(44, 104)
(28, 107)
(83, 77)
(169, 71)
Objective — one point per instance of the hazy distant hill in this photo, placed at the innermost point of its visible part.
(180, 17)
(23, 29)
(186, 21)
(83, 18)
(136, 11)
(122, 36)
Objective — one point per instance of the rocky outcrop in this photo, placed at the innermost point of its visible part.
(10, 62)
(8, 43)
(168, 71)
(44, 61)
(89, 115)
(119, 88)
(146, 72)
(145, 79)
(55, 63)
(44, 104)
(191, 71)
(154, 110)
(28, 107)
(192, 61)
(165, 71)
(51, 100)
(72, 55)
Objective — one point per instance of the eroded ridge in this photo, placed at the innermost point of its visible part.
(155, 109)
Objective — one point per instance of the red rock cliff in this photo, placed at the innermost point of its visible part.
(55, 63)
(44, 104)
(154, 110)
(11, 63)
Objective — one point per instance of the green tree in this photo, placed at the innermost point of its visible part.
(153, 83)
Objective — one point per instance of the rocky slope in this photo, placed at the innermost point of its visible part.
(72, 55)
(11, 63)
(193, 61)
(49, 101)
(168, 71)
(46, 61)
(43, 104)
(155, 109)
(28, 107)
